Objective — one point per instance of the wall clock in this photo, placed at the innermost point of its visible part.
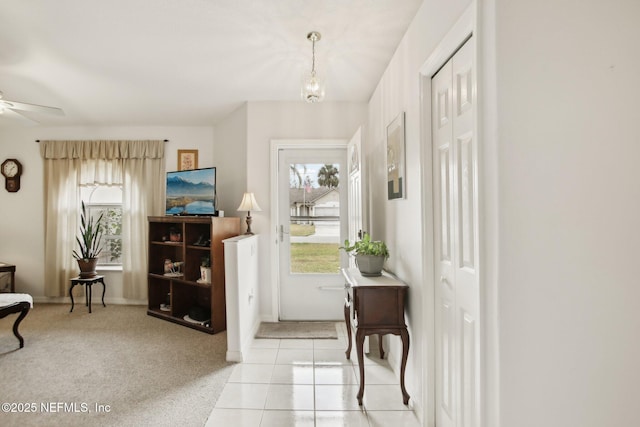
(12, 169)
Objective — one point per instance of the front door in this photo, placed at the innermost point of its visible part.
(312, 224)
(456, 242)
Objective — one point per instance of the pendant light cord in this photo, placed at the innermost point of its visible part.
(313, 57)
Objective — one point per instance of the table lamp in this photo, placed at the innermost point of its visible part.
(249, 204)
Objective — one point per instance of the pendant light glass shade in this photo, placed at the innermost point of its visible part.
(312, 84)
(312, 87)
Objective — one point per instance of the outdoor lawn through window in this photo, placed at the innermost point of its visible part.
(314, 200)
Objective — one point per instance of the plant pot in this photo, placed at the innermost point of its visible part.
(370, 265)
(87, 268)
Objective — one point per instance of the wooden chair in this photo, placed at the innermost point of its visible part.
(15, 303)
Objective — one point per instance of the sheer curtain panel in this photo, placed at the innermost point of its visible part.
(136, 165)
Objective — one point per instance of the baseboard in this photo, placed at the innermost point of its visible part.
(264, 318)
(245, 344)
(394, 363)
(94, 300)
(234, 356)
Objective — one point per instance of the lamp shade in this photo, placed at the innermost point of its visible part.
(249, 203)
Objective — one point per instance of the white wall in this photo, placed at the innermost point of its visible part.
(286, 120)
(230, 155)
(562, 199)
(569, 202)
(399, 222)
(22, 225)
(241, 154)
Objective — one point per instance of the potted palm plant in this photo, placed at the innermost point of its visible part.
(89, 243)
(369, 254)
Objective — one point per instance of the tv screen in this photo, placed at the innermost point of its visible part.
(191, 192)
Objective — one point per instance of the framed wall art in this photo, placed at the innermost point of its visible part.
(396, 159)
(187, 159)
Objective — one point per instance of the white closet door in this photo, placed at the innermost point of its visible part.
(456, 205)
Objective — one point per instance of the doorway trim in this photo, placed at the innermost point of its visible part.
(275, 146)
(466, 26)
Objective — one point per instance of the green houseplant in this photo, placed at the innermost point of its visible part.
(369, 254)
(89, 244)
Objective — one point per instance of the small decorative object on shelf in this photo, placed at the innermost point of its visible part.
(168, 266)
(167, 305)
(172, 269)
(205, 270)
(203, 240)
(174, 235)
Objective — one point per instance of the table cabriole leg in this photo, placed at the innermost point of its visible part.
(405, 353)
(104, 288)
(360, 335)
(71, 296)
(346, 320)
(89, 286)
(22, 315)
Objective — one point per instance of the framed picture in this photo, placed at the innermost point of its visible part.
(187, 159)
(395, 159)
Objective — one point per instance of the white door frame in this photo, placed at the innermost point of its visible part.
(466, 25)
(354, 172)
(275, 146)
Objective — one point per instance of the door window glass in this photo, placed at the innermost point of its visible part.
(314, 204)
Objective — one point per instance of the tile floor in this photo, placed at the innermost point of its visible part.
(309, 383)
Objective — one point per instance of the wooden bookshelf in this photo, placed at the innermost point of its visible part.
(181, 293)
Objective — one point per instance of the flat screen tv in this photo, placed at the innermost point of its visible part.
(191, 192)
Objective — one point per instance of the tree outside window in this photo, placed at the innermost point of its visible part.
(106, 200)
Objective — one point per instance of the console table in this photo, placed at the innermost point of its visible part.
(376, 305)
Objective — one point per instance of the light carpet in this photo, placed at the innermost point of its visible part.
(148, 371)
(299, 330)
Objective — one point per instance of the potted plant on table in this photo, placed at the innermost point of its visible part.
(89, 243)
(369, 254)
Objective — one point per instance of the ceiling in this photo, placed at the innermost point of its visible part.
(187, 62)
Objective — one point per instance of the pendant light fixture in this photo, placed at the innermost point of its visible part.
(312, 85)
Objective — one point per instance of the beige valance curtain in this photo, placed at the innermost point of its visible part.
(136, 165)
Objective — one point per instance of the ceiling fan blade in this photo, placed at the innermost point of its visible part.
(17, 117)
(31, 107)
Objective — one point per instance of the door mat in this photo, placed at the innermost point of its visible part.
(300, 330)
